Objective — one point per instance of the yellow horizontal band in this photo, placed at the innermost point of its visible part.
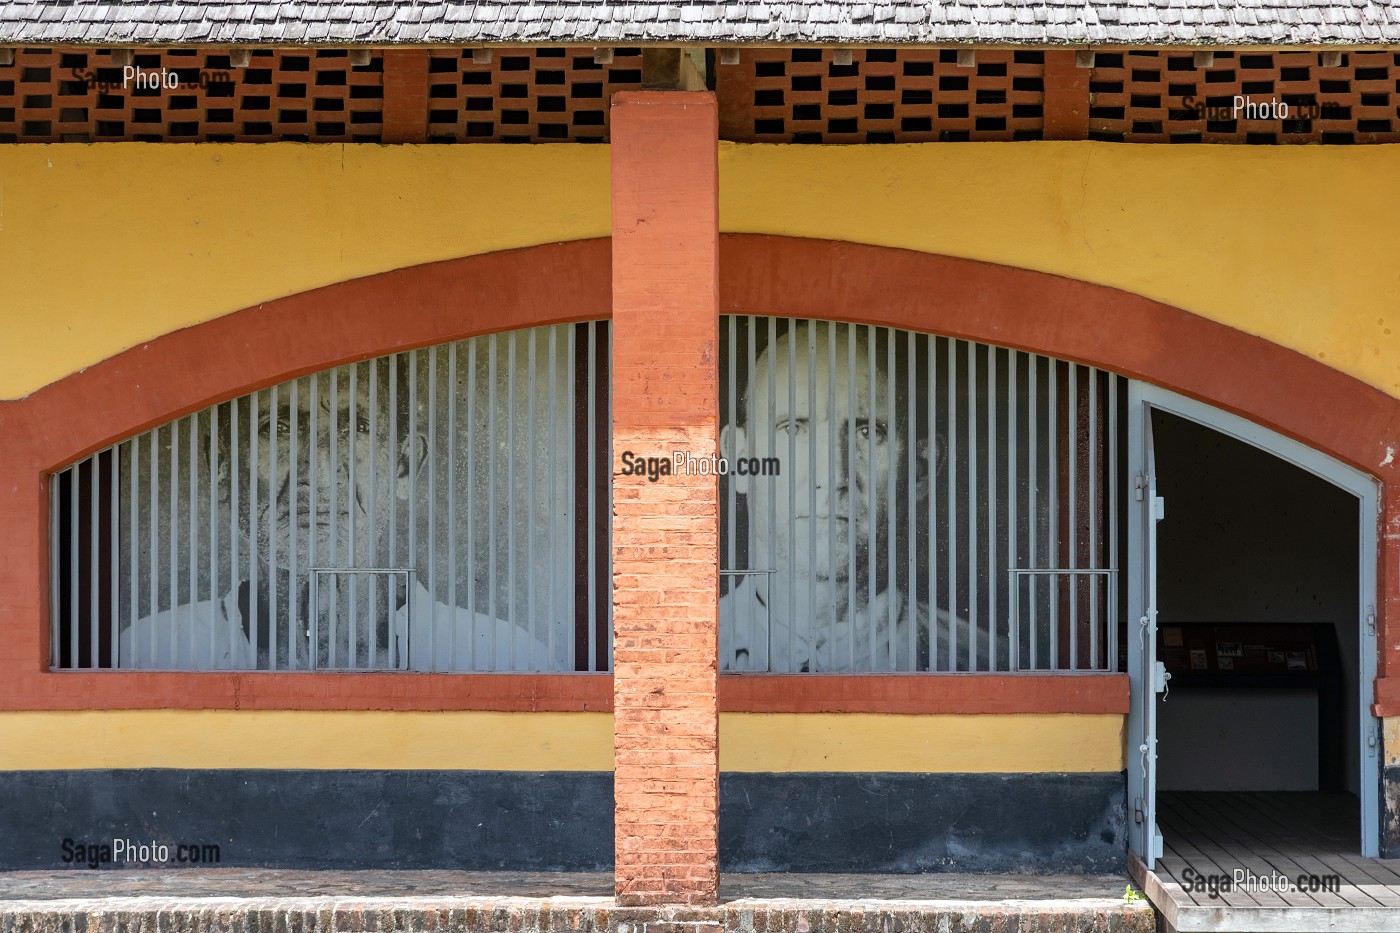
(487, 741)
(860, 742)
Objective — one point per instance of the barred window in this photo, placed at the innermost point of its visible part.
(444, 509)
(895, 501)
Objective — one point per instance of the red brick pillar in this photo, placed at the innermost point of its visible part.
(665, 534)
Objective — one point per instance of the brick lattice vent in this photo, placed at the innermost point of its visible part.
(1151, 96)
(77, 95)
(526, 95)
(882, 95)
(455, 95)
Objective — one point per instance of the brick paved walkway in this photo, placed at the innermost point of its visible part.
(234, 900)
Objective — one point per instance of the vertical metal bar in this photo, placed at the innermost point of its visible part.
(954, 617)
(411, 446)
(973, 588)
(352, 438)
(555, 538)
(911, 493)
(1072, 510)
(453, 454)
(133, 584)
(512, 516)
(751, 438)
(833, 493)
(274, 438)
(74, 566)
(192, 543)
(253, 467)
(1092, 510)
(1053, 468)
(934, 622)
(849, 481)
(571, 472)
(809, 617)
(1013, 481)
(591, 362)
(94, 555)
(731, 499)
(436, 664)
(1033, 494)
(235, 576)
(173, 543)
(792, 612)
(472, 430)
(332, 545)
(55, 575)
(153, 557)
(1113, 482)
(532, 475)
(313, 466)
(216, 637)
(994, 578)
(294, 505)
(607, 490)
(114, 551)
(373, 557)
(491, 411)
(771, 350)
(891, 511)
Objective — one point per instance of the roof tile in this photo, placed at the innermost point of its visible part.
(1279, 22)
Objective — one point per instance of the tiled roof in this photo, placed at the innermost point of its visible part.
(1019, 22)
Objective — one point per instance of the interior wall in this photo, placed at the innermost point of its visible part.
(1248, 537)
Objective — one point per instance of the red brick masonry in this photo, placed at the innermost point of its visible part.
(665, 536)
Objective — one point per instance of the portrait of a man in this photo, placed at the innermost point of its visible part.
(320, 475)
(821, 592)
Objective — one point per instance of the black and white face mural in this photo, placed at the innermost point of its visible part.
(414, 512)
(898, 502)
(907, 487)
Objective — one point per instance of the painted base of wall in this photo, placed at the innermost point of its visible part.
(1026, 823)
(472, 820)
(541, 821)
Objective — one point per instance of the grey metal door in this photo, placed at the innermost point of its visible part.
(1147, 676)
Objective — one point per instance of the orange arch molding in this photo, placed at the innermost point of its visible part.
(260, 346)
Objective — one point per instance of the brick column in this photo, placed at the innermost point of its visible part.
(1066, 105)
(405, 96)
(665, 534)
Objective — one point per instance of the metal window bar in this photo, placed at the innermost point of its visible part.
(918, 475)
(254, 535)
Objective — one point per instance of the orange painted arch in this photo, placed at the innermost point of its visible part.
(557, 283)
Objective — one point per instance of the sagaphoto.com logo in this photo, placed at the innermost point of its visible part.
(104, 80)
(1244, 107)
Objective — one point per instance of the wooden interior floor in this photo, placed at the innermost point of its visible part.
(1269, 834)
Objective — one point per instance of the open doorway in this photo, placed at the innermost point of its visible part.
(1257, 609)
(1255, 572)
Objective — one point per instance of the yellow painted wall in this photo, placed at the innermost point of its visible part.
(105, 246)
(1391, 740)
(549, 741)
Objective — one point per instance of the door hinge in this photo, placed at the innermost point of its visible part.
(1371, 620)
(1138, 813)
(1139, 485)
